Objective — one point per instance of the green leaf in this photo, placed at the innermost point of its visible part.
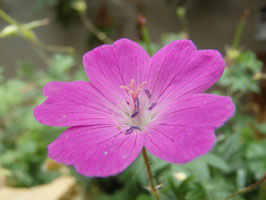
(256, 150)
(196, 192)
(241, 178)
(216, 161)
(199, 169)
(61, 63)
(261, 127)
(144, 197)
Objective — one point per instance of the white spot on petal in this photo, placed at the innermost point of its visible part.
(61, 118)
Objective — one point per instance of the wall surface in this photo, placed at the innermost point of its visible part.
(212, 24)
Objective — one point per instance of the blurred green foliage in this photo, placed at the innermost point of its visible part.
(236, 161)
(239, 75)
(23, 140)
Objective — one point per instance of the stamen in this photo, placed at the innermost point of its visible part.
(152, 106)
(135, 114)
(136, 127)
(128, 131)
(148, 93)
(136, 108)
(136, 102)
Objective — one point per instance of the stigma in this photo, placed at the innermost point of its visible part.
(132, 91)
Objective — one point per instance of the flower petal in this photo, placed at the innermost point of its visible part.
(111, 66)
(179, 68)
(74, 103)
(96, 150)
(185, 130)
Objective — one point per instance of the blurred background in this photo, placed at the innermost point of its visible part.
(44, 40)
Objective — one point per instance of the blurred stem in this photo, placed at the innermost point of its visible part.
(94, 30)
(8, 19)
(11, 21)
(181, 14)
(146, 38)
(27, 33)
(240, 29)
(147, 165)
(247, 189)
(56, 49)
(145, 33)
(262, 193)
(37, 23)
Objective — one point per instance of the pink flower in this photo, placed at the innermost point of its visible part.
(134, 101)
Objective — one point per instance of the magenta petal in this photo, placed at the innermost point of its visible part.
(96, 150)
(179, 68)
(74, 103)
(111, 66)
(185, 130)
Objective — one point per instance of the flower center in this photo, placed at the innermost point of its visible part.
(138, 112)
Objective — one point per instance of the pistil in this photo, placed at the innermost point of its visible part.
(132, 90)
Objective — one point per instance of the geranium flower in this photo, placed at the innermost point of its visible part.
(134, 101)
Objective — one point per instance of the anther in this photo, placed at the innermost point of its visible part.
(148, 93)
(152, 106)
(136, 102)
(136, 127)
(135, 114)
(136, 109)
(128, 131)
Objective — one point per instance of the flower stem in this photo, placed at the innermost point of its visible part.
(147, 165)
(94, 30)
(7, 18)
(145, 34)
(27, 33)
(240, 29)
(248, 188)
(181, 14)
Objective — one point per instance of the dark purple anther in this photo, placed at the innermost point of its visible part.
(152, 106)
(128, 131)
(148, 93)
(135, 114)
(136, 127)
(136, 101)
